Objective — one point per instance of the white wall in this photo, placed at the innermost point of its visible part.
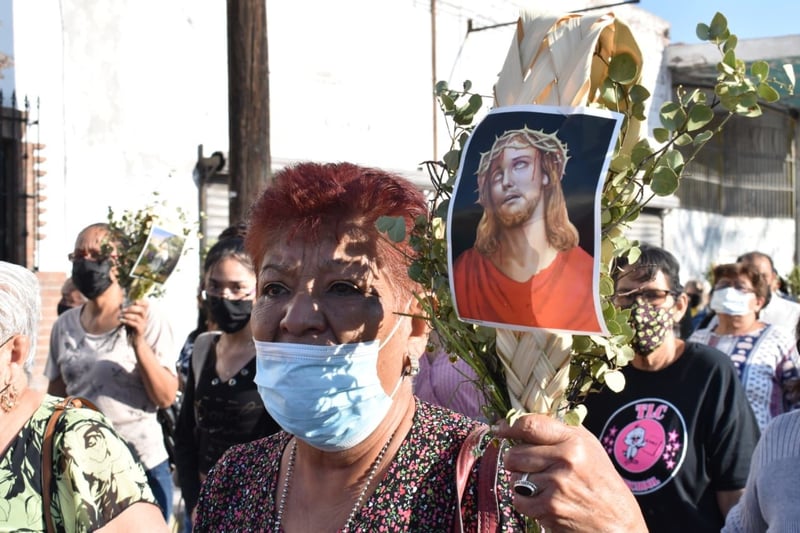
(128, 89)
(699, 240)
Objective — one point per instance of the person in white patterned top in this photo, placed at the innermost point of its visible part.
(764, 355)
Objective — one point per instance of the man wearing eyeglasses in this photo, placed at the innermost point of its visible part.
(681, 433)
(127, 372)
(778, 310)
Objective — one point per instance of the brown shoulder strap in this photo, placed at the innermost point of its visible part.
(47, 452)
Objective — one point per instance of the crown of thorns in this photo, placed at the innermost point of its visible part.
(539, 139)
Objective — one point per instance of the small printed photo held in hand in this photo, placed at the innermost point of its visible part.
(159, 255)
(524, 223)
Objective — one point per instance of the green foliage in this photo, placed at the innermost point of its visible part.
(793, 281)
(687, 123)
(129, 232)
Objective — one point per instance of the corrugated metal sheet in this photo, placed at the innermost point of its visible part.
(744, 170)
(648, 228)
(216, 210)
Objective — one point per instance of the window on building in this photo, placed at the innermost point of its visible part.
(747, 170)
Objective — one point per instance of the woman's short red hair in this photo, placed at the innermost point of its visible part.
(306, 197)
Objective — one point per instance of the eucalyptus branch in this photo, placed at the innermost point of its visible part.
(685, 124)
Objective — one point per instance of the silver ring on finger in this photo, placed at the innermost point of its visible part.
(525, 487)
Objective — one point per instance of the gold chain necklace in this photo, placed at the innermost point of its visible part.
(290, 469)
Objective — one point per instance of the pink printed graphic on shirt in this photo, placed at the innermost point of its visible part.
(646, 441)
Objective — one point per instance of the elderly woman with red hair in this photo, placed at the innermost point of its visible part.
(338, 333)
(765, 355)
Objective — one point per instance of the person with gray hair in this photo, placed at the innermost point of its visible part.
(96, 481)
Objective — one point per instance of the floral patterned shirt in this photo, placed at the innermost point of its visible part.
(418, 492)
(95, 476)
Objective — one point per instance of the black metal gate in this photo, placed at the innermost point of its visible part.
(20, 181)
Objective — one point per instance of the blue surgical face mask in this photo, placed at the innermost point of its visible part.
(328, 396)
(731, 301)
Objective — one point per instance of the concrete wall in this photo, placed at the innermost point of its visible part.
(699, 240)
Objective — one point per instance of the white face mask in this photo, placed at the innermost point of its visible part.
(731, 301)
(328, 396)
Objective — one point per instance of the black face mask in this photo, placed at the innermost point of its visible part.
(91, 278)
(694, 300)
(61, 307)
(230, 315)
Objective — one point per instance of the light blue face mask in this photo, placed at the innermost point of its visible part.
(328, 396)
(730, 301)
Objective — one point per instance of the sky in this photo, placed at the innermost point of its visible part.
(747, 20)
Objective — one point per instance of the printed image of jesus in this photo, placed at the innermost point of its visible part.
(526, 268)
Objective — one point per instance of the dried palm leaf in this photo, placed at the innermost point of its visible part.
(557, 60)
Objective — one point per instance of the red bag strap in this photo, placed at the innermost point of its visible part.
(47, 452)
(488, 513)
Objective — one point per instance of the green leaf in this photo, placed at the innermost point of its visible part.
(447, 102)
(575, 416)
(613, 327)
(463, 116)
(634, 254)
(581, 343)
(621, 162)
(730, 43)
(683, 140)
(760, 70)
(719, 25)
(703, 32)
(702, 137)
(441, 86)
(622, 69)
(467, 86)
(452, 159)
(729, 60)
(606, 286)
(767, 93)
(609, 92)
(748, 99)
(416, 272)
(475, 103)
(394, 227)
(699, 116)
(615, 380)
(637, 111)
(665, 181)
(672, 116)
(638, 94)
(674, 160)
(661, 135)
(642, 149)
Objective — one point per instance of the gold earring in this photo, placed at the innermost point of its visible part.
(8, 397)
